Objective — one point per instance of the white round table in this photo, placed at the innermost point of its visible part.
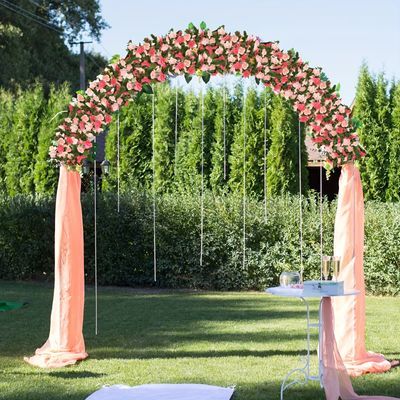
(304, 295)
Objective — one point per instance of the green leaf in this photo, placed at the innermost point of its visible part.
(338, 88)
(188, 77)
(147, 89)
(114, 59)
(257, 81)
(206, 76)
(80, 91)
(191, 26)
(323, 77)
(203, 25)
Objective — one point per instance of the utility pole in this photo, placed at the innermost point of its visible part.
(82, 64)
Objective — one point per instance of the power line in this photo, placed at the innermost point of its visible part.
(38, 5)
(26, 14)
(26, 11)
(94, 61)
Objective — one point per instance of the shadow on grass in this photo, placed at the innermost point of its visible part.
(245, 391)
(148, 354)
(65, 374)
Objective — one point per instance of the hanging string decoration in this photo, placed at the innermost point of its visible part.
(176, 130)
(95, 240)
(321, 229)
(244, 180)
(202, 177)
(153, 161)
(300, 139)
(265, 156)
(224, 126)
(118, 162)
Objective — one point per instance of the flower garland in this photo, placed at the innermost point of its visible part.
(205, 52)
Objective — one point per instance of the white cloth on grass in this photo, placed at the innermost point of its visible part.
(162, 391)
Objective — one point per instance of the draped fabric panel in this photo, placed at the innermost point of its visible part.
(349, 245)
(337, 383)
(65, 345)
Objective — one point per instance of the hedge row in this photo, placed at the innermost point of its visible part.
(125, 241)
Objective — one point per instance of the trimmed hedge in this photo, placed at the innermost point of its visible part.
(125, 241)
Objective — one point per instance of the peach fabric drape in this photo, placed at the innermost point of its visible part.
(349, 245)
(336, 381)
(65, 344)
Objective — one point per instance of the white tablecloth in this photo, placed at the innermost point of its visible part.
(162, 392)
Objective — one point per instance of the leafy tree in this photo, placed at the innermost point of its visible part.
(393, 191)
(22, 141)
(283, 157)
(33, 36)
(45, 173)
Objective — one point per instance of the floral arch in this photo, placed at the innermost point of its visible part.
(205, 52)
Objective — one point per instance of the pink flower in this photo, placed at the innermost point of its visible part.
(87, 144)
(79, 159)
(80, 148)
(137, 87)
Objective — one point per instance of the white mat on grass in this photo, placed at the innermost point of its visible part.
(162, 392)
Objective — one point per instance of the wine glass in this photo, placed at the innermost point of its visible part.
(326, 264)
(336, 267)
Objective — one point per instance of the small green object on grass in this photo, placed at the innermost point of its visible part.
(10, 305)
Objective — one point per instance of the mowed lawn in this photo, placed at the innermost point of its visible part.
(245, 339)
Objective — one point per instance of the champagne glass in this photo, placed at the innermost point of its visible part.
(326, 264)
(336, 267)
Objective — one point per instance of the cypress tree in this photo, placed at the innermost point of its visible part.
(393, 191)
(189, 145)
(22, 148)
(45, 173)
(6, 112)
(220, 150)
(283, 157)
(164, 137)
(253, 118)
(378, 160)
(365, 111)
(136, 143)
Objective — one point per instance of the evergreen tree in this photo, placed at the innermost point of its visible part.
(365, 111)
(392, 90)
(135, 145)
(221, 144)
(283, 157)
(393, 191)
(378, 159)
(164, 137)
(189, 145)
(22, 142)
(6, 112)
(45, 173)
(252, 116)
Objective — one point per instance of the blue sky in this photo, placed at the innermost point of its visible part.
(334, 34)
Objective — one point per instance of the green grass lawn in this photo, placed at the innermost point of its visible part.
(245, 339)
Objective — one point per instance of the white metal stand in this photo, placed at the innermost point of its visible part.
(304, 371)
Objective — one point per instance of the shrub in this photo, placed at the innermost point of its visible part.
(125, 240)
